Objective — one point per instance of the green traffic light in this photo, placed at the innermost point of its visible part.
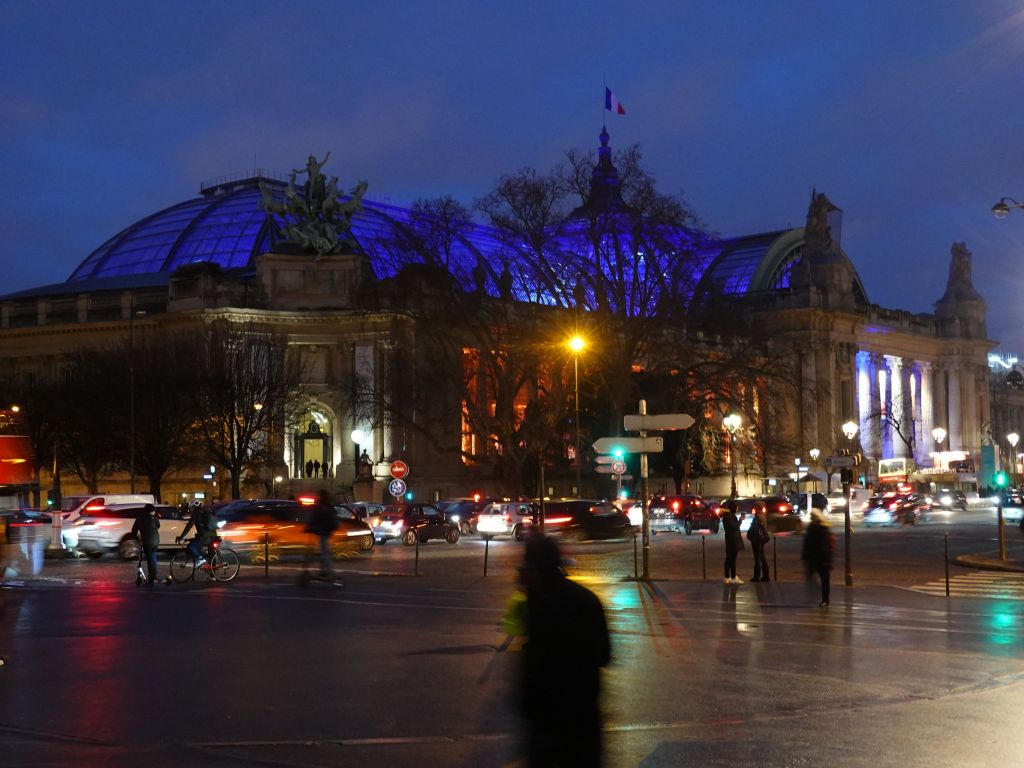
(1001, 479)
(618, 453)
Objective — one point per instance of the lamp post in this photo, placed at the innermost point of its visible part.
(732, 423)
(850, 430)
(1013, 438)
(131, 392)
(1002, 209)
(577, 343)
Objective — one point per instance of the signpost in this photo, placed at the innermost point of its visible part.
(639, 422)
(629, 445)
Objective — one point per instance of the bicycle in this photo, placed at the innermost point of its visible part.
(221, 564)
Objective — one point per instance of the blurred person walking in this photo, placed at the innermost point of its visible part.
(323, 521)
(566, 645)
(733, 541)
(817, 553)
(758, 536)
(147, 530)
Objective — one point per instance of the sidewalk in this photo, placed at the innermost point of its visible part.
(989, 561)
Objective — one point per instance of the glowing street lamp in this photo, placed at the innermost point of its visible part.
(577, 344)
(732, 422)
(1013, 438)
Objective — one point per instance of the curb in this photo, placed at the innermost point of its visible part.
(984, 563)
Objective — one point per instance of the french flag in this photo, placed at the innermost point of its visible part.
(611, 103)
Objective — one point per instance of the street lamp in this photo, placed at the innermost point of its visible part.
(939, 434)
(850, 430)
(131, 391)
(1013, 438)
(577, 344)
(732, 423)
(1002, 209)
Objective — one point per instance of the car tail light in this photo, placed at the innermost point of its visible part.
(94, 508)
(556, 520)
(307, 501)
(507, 517)
(783, 508)
(893, 505)
(675, 505)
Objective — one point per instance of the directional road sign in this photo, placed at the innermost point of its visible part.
(839, 461)
(396, 488)
(635, 422)
(399, 469)
(605, 459)
(607, 469)
(629, 444)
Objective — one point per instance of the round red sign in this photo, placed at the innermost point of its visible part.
(399, 469)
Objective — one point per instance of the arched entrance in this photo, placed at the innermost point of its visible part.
(313, 445)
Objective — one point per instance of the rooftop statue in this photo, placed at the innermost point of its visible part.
(316, 218)
(817, 233)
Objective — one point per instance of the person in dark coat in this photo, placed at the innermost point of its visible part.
(733, 541)
(817, 552)
(758, 536)
(323, 521)
(147, 530)
(567, 644)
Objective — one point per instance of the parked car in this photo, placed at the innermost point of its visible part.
(804, 502)
(249, 525)
(410, 523)
(683, 514)
(946, 500)
(580, 519)
(1012, 502)
(464, 511)
(109, 529)
(509, 518)
(895, 509)
(364, 510)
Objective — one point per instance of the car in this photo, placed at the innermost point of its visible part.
(27, 532)
(683, 514)
(464, 511)
(804, 502)
(580, 519)
(895, 508)
(73, 507)
(946, 500)
(780, 517)
(364, 510)
(1012, 502)
(109, 529)
(508, 518)
(252, 526)
(415, 522)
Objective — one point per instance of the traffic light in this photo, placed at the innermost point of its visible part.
(1001, 479)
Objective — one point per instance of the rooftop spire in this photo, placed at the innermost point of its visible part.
(605, 187)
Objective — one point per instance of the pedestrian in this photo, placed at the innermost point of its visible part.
(758, 536)
(323, 521)
(733, 541)
(817, 552)
(309, 468)
(566, 645)
(147, 530)
(316, 468)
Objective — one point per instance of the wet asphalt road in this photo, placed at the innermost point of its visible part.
(399, 670)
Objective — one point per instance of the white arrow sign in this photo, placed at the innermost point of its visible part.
(629, 444)
(840, 461)
(635, 422)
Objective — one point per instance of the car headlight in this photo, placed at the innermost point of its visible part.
(456, 518)
(946, 501)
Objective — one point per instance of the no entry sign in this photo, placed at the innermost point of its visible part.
(399, 469)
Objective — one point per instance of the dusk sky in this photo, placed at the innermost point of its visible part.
(908, 115)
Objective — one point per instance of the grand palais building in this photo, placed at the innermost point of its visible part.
(218, 256)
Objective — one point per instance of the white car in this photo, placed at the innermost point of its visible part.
(109, 529)
(74, 507)
(505, 518)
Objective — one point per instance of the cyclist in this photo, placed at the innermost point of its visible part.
(205, 523)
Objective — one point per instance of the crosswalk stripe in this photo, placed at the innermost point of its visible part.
(1005, 586)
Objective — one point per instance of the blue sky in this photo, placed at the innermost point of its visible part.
(907, 114)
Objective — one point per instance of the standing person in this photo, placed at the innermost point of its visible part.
(309, 468)
(567, 644)
(147, 530)
(323, 521)
(758, 536)
(316, 468)
(817, 552)
(733, 541)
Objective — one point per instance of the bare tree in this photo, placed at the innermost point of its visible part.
(247, 375)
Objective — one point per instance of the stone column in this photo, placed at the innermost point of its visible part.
(955, 428)
(873, 431)
(970, 428)
(927, 443)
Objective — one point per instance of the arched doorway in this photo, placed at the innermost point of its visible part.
(313, 445)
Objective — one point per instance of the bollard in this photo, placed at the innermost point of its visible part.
(775, 558)
(417, 571)
(945, 537)
(487, 547)
(636, 562)
(704, 557)
(266, 554)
